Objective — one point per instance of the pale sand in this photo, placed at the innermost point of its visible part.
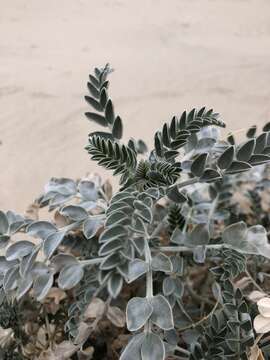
(169, 55)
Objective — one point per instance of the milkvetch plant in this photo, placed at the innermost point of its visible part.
(168, 248)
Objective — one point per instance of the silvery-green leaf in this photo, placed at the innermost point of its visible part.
(4, 240)
(113, 233)
(246, 150)
(24, 286)
(104, 275)
(178, 237)
(152, 347)
(251, 240)
(61, 260)
(133, 348)
(123, 270)
(198, 164)
(52, 242)
(199, 254)
(42, 285)
(115, 284)
(110, 246)
(61, 185)
(238, 167)
(3, 223)
(11, 279)
(91, 227)
(162, 312)
(175, 195)
(138, 312)
(137, 268)
(168, 286)
(143, 211)
(128, 251)
(40, 268)
(28, 261)
(117, 218)
(139, 226)
(178, 264)
(210, 175)
(70, 276)
(5, 265)
(117, 129)
(16, 226)
(226, 158)
(74, 212)
(171, 336)
(2, 296)
(161, 262)
(138, 244)
(199, 235)
(41, 229)
(87, 189)
(18, 250)
(110, 262)
(235, 233)
(178, 287)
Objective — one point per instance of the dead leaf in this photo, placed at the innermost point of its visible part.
(116, 316)
(262, 324)
(86, 354)
(60, 220)
(107, 188)
(95, 309)
(62, 351)
(6, 336)
(256, 295)
(256, 353)
(264, 307)
(32, 211)
(84, 330)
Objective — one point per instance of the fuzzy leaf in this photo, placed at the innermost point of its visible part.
(74, 212)
(246, 150)
(97, 118)
(41, 229)
(136, 269)
(152, 348)
(52, 242)
(91, 227)
(117, 130)
(133, 348)
(237, 167)
(161, 262)
(42, 285)
(115, 284)
(175, 195)
(199, 164)
(199, 235)
(3, 223)
(226, 158)
(138, 312)
(19, 249)
(70, 276)
(162, 312)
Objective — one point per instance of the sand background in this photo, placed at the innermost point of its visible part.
(169, 55)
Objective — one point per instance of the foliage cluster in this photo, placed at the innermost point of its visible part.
(172, 258)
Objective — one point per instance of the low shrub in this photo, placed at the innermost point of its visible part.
(170, 266)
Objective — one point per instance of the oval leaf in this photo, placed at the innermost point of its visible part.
(138, 312)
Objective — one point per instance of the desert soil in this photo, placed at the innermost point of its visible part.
(170, 55)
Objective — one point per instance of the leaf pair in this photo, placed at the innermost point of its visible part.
(156, 309)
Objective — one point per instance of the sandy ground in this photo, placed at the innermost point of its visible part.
(169, 55)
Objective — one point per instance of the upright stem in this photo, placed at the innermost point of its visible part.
(149, 274)
(149, 279)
